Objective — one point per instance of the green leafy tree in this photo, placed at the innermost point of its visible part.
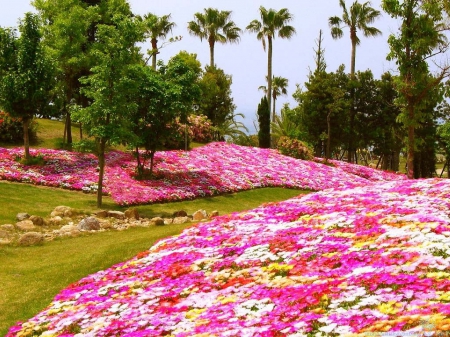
(357, 18)
(26, 74)
(157, 28)
(272, 23)
(215, 26)
(286, 126)
(420, 37)
(264, 123)
(216, 101)
(111, 86)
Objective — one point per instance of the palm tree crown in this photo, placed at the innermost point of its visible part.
(272, 23)
(279, 85)
(215, 26)
(157, 27)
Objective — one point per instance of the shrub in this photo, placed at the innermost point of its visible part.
(11, 129)
(294, 148)
(201, 129)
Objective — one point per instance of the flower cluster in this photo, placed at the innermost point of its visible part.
(209, 170)
(294, 148)
(362, 261)
(201, 129)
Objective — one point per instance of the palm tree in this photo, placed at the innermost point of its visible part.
(215, 26)
(272, 22)
(157, 27)
(279, 85)
(358, 18)
(232, 128)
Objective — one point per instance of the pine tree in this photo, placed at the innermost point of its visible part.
(264, 123)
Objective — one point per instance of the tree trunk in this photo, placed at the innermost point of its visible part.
(154, 52)
(152, 157)
(211, 52)
(327, 156)
(273, 110)
(140, 166)
(352, 98)
(101, 164)
(269, 75)
(26, 138)
(68, 128)
(411, 142)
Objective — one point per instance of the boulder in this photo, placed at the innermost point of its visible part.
(89, 224)
(200, 215)
(56, 220)
(4, 234)
(31, 238)
(7, 227)
(116, 214)
(62, 211)
(37, 220)
(158, 221)
(101, 214)
(178, 214)
(132, 213)
(214, 214)
(22, 216)
(26, 225)
(5, 241)
(181, 219)
(69, 230)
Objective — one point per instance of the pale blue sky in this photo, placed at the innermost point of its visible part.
(247, 61)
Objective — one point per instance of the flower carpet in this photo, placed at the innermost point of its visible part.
(209, 170)
(371, 260)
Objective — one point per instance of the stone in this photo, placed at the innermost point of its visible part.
(168, 221)
(62, 211)
(56, 220)
(22, 216)
(200, 215)
(158, 221)
(106, 224)
(132, 213)
(116, 214)
(37, 220)
(179, 214)
(26, 225)
(180, 220)
(89, 224)
(4, 234)
(5, 241)
(69, 230)
(101, 214)
(31, 238)
(214, 214)
(7, 227)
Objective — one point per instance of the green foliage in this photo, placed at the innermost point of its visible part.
(11, 129)
(200, 128)
(285, 125)
(85, 145)
(264, 123)
(216, 101)
(294, 148)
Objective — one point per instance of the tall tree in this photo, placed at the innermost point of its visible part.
(272, 23)
(264, 123)
(26, 75)
(279, 87)
(215, 26)
(158, 28)
(420, 37)
(111, 86)
(319, 60)
(358, 17)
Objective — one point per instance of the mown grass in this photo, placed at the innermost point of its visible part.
(31, 276)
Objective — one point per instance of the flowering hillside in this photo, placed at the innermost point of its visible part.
(212, 169)
(361, 261)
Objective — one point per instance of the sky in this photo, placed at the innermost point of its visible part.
(246, 61)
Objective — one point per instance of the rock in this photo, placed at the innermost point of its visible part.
(116, 214)
(181, 219)
(200, 215)
(101, 214)
(22, 216)
(37, 220)
(132, 213)
(105, 224)
(168, 221)
(89, 224)
(26, 225)
(214, 214)
(69, 230)
(4, 234)
(158, 221)
(62, 211)
(5, 241)
(56, 220)
(31, 238)
(7, 227)
(179, 214)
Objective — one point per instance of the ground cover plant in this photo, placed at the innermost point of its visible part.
(215, 168)
(357, 261)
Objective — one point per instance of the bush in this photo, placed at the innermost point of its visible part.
(201, 129)
(11, 129)
(294, 148)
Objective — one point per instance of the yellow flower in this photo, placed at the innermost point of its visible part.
(194, 313)
(388, 308)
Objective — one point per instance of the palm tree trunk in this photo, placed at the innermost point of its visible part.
(273, 110)
(352, 99)
(269, 72)
(154, 52)
(211, 53)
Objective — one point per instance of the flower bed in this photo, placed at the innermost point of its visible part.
(209, 170)
(360, 261)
